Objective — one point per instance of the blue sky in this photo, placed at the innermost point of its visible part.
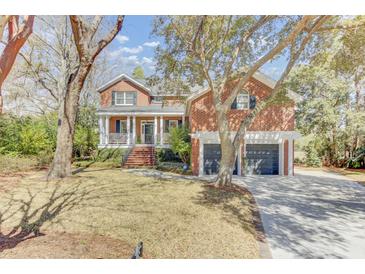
(134, 46)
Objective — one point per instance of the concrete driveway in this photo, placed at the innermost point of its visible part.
(311, 215)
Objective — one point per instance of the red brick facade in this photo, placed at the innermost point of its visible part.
(274, 118)
(202, 115)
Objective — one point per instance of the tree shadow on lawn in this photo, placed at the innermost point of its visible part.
(244, 212)
(34, 216)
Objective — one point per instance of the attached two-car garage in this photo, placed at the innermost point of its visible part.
(262, 159)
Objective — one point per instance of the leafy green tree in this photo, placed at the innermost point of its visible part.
(311, 156)
(138, 73)
(33, 139)
(181, 143)
(222, 51)
(330, 84)
(86, 135)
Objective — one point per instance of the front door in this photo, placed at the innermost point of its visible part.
(147, 133)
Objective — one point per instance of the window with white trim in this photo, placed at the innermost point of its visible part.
(121, 126)
(242, 101)
(170, 124)
(124, 98)
(173, 123)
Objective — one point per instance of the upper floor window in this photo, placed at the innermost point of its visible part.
(242, 101)
(124, 98)
(171, 124)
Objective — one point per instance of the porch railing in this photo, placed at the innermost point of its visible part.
(166, 138)
(118, 138)
(122, 138)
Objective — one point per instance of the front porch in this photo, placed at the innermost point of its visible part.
(137, 130)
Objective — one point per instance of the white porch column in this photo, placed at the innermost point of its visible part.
(183, 120)
(281, 156)
(239, 160)
(128, 130)
(101, 130)
(134, 130)
(161, 130)
(290, 157)
(201, 157)
(107, 123)
(155, 130)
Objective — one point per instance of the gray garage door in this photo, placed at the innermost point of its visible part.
(262, 159)
(212, 158)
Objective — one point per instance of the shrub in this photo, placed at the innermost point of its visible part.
(110, 154)
(358, 160)
(311, 156)
(181, 143)
(27, 135)
(167, 155)
(86, 135)
(85, 141)
(174, 167)
(33, 139)
(298, 160)
(44, 158)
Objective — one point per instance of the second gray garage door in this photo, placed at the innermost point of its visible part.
(262, 159)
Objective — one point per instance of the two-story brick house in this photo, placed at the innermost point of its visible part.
(132, 115)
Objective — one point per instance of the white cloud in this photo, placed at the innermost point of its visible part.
(152, 44)
(118, 52)
(133, 58)
(147, 60)
(122, 39)
(132, 50)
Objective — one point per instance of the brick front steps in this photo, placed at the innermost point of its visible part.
(141, 157)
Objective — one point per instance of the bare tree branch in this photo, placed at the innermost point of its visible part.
(343, 27)
(241, 45)
(283, 43)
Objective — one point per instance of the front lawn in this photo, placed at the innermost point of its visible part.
(104, 213)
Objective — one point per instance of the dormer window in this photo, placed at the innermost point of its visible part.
(124, 98)
(242, 101)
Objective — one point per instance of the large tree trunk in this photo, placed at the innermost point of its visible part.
(83, 34)
(356, 142)
(61, 164)
(224, 178)
(228, 152)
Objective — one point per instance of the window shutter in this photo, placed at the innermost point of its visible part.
(134, 98)
(117, 126)
(113, 98)
(166, 126)
(252, 102)
(234, 104)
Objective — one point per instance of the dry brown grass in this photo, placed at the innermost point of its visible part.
(12, 164)
(174, 218)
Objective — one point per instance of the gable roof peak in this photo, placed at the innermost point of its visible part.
(121, 77)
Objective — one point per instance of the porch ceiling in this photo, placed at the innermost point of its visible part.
(145, 110)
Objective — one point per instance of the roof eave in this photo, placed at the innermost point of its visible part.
(120, 78)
